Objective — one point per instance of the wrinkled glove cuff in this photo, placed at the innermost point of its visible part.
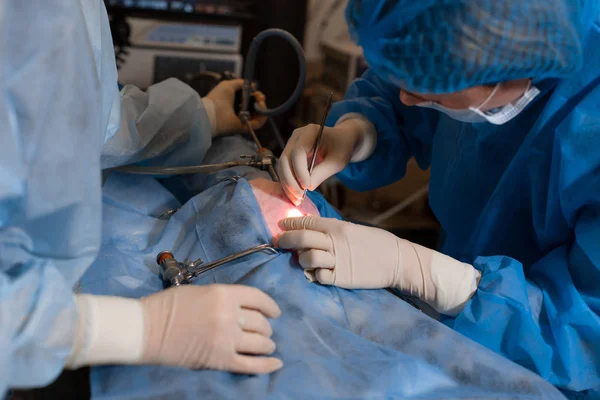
(442, 282)
(110, 331)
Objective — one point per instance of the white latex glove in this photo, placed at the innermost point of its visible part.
(220, 108)
(222, 327)
(352, 256)
(213, 327)
(340, 145)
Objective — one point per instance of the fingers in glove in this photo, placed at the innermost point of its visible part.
(255, 299)
(254, 365)
(288, 181)
(253, 321)
(299, 158)
(260, 98)
(325, 276)
(304, 239)
(312, 223)
(316, 259)
(234, 84)
(295, 200)
(257, 122)
(254, 343)
(331, 165)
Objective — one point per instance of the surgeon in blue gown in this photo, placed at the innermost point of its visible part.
(501, 99)
(63, 119)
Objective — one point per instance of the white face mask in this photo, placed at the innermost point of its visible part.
(496, 116)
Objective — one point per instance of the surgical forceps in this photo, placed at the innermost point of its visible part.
(177, 273)
(318, 142)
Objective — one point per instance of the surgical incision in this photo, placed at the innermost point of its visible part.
(275, 205)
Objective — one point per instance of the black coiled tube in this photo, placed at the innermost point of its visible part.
(249, 73)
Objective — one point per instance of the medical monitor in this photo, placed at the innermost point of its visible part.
(236, 9)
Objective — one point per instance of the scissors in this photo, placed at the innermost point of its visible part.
(318, 142)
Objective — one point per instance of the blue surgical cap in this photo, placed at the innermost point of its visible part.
(442, 46)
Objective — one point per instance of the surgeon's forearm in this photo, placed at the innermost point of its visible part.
(442, 282)
(110, 331)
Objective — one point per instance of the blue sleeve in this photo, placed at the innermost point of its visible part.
(402, 132)
(548, 321)
(166, 125)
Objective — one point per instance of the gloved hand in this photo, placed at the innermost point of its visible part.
(337, 148)
(214, 327)
(352, 256)
(226, 121)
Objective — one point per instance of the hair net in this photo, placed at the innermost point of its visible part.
(442, 46)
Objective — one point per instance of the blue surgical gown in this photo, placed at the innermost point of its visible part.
(62, 118)
(521, 202)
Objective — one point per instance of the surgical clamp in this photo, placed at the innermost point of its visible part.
(263, 155)
(176, 273)
(264, 160)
